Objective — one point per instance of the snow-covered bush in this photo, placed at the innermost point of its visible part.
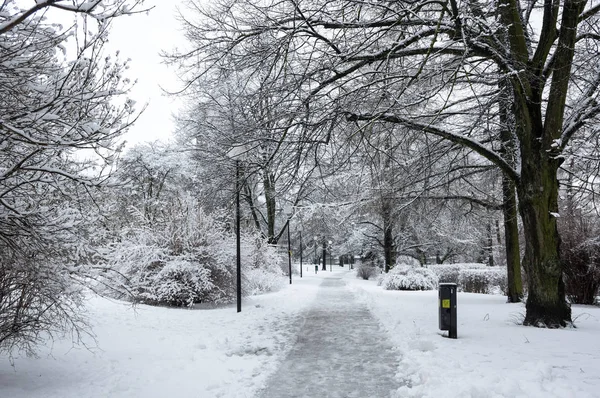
(488, 281)
(450, 273)
(152, 274)
(473, 277)
(366, 271)
(38, 298)
(258, 280)
(406, 277)
(189, 259)
(177, 282)
(580, 252)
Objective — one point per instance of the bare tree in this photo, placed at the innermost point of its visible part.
(62, 107)
(448, 59)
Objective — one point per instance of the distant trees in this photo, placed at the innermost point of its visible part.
(274, 169)
(478, 75)
(63, 107)
(163, 247)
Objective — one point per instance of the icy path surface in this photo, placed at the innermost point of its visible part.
(341, 351)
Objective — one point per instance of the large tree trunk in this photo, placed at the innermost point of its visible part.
(538, 129)
(538, 195)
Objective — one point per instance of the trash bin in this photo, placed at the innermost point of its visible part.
(447, 306)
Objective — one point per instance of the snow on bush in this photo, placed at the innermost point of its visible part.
(189, 259)
(178, 283)
(405, 277)
(366, 271)
(473, 277)
(257, 281)
(488, 281)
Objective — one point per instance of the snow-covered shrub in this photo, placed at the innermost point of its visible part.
(177, 262)
(580, 253)
(474, 281)
(188, 259)
(177, 282)
(43, 278)
(38, 298)
(366, 271)
(488, 280)
(450, 273)
(258, 280)
(257, 253)
(473, 277)
(406, 277)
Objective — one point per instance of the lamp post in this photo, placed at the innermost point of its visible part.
(329, 247)
(324, 256)
(235, 153)
(316, 259)
(300, 231)
(288, 210)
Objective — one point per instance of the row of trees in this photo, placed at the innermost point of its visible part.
(406, 128)
(462, 94)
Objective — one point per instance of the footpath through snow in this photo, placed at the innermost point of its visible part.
(341, 351)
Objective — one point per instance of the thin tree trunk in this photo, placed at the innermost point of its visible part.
(388, 236)
(490, 244)
(509, 202)
(511, 237)
(269, 187)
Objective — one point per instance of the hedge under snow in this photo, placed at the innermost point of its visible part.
(405, 277)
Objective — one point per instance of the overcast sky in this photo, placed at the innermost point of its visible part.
(141, 37)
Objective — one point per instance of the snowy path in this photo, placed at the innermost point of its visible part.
(341, 351)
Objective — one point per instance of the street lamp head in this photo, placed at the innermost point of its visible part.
(288, 210)
(330, 242)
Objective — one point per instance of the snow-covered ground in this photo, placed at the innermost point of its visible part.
(155, 352)
(159, 352)
(493, 356)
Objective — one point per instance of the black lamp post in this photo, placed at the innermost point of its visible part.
(288, 210)
(324, 256)
(329, 247)
(316, 259)
(238, 263)
(300, 251)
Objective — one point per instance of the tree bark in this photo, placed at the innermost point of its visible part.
(538, 201)
(537, 186)
(388, 236)
(509, 200)
(269, 187)
(489, 249)
(511, 237)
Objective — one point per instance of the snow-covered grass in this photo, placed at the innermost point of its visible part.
(160, 352)
(167, 352)
(493, 356)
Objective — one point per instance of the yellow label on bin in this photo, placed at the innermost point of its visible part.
(446, 303)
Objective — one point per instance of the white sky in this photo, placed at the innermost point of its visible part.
(141, 37)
